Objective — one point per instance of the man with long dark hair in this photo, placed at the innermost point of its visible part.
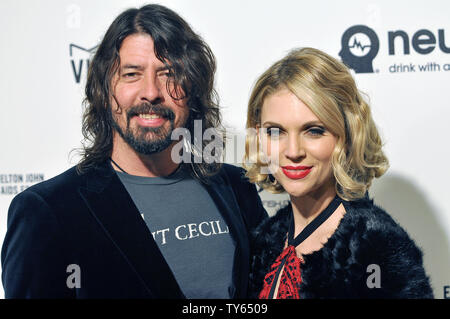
(132, 220)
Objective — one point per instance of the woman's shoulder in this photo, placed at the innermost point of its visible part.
(373, 227)
(368, 236)
(364, 214)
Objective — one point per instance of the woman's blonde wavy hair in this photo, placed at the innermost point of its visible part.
(326, 86)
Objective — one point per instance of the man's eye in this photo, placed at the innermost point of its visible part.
(130, 75)
(166, 73)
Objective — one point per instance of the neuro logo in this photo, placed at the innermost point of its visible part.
(360, 45)
(79, 59)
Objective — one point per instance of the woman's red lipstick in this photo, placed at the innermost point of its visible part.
(296, 172)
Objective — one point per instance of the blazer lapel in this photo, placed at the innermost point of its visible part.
(113, 208)
(221, 192)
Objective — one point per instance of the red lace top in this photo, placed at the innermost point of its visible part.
(291, 279)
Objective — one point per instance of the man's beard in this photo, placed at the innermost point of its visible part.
(147, 140)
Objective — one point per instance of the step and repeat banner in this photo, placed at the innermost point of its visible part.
(399, 52)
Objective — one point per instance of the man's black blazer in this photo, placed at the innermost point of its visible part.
(90, 220)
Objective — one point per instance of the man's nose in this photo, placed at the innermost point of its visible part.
(151, 90)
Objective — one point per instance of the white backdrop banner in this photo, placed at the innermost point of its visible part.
(399, 52)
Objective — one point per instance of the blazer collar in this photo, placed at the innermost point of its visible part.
(113, 208)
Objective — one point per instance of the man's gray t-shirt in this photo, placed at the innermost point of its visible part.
(189, 230)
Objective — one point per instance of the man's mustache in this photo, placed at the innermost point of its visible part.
(147, 108)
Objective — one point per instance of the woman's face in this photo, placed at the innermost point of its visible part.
(297, 145)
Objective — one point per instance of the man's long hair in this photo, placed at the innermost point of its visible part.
(192, 65)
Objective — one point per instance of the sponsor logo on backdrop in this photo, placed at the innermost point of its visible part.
(79, 60)
(13, 183)
(360, 45)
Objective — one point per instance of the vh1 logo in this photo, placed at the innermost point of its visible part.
(80, 58)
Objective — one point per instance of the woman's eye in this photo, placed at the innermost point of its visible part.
(316, 131)
(273, 132)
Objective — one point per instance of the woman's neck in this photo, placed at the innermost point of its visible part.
(307, 207)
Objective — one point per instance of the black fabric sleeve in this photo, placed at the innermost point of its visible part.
(33, 252)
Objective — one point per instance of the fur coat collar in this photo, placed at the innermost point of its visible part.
(366, 236)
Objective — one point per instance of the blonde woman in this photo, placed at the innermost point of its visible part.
(316, 140)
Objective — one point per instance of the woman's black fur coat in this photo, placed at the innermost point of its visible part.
(366, 235)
